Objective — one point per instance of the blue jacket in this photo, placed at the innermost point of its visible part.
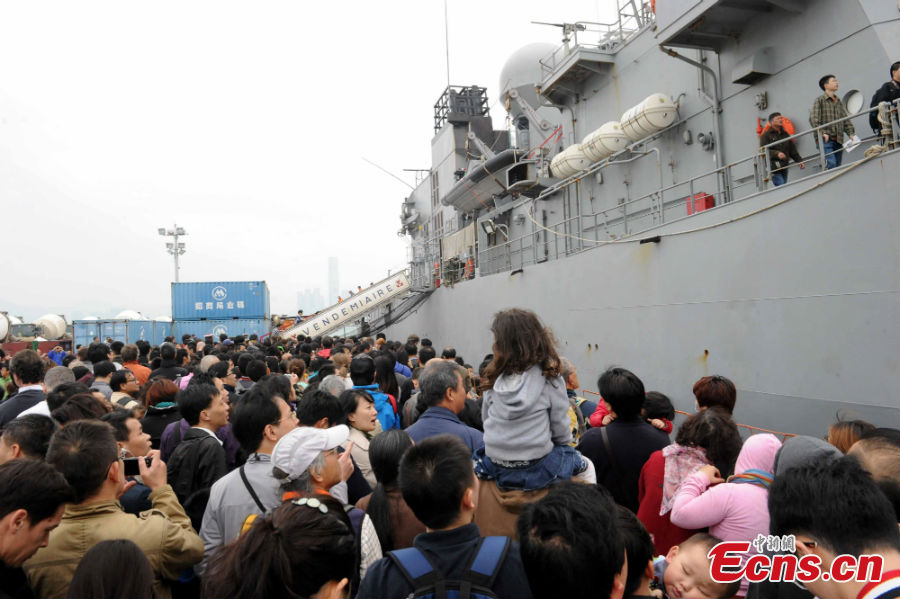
(404, 370)
(387, 416)
(57, 357)
(441, 421)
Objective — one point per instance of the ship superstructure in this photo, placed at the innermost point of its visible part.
(626, 201)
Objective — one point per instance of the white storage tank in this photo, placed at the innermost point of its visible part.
(4, 326)
(569, 161)
(129, 315)
(604, 142)
(51, 326)
(655, 113)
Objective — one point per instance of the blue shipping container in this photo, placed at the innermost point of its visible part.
(220, 299)
(127, 331)
(239, 326)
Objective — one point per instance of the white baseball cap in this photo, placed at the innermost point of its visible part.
(295, 451)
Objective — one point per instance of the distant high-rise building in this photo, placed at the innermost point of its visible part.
(310, 300)
(332, 279)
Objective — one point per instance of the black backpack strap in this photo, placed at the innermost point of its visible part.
(484, 565)
(250, 490)
(416, 568)
(177, 432)
(609, 452)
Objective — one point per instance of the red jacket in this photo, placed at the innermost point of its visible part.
(665, 535)
(601, 412)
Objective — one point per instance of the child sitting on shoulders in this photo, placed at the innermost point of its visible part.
(657, 410)
(683, 573)
(525, 410)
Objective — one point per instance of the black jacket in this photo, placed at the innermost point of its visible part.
(18, 403)
(169, 369)
(888, 92)
(157, 419)
(632, 442)
(197, 462)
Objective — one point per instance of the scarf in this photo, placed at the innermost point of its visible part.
(681, 462)
(754, 477)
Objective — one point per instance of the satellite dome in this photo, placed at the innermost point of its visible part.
(522, 71)
(90, 318)
(129, 315)
(163, 319)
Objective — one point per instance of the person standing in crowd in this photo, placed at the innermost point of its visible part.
(5, 378)
(32, 500)
(361, 416)
(304, 548)
(620, 449)
(735, 510)
(394, 521)
(825, 109)
(707, 437)
(260, 420)
(103, 371)
(362, 372)
(439, 485)
(782, 152)
(130, 355)
(715, 390)
(889, 92)
(133, 442)
(569, 532)
(86, 454)
(100, 572)
(125, 389)
(169, 367)
(844, 433)
(199, 460)
(27, 369)
(878, 451)
(836, 509)
(57, 354)
(442, 389)
(162, 410)
(26, 437)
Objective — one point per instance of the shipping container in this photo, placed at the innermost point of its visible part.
(220, 300)
(127, 331)
(235, 326)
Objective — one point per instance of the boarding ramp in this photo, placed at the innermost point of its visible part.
(350, 310)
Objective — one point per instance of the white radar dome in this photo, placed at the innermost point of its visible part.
(129, 315)
(51, 326)
(522, 71)
(163, 319)
(90, 318)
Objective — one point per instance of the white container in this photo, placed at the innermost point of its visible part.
(569, 161)
(51, 326)
(654, 113)
(4, 326)
(604, 142)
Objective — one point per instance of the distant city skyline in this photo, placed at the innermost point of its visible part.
(310, 300)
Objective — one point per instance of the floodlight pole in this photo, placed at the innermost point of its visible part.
(174, 248)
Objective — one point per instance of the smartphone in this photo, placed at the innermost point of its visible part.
(131, 466)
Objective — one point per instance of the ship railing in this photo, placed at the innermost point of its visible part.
(598, 37)
(820, 158)
(752, 430)
(635, 215)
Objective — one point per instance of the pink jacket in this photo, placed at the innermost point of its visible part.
(732, 511)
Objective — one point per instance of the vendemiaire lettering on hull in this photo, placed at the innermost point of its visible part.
(344, 313)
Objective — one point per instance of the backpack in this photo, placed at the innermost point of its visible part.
(476, 583)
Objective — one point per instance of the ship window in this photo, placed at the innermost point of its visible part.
(853, 100)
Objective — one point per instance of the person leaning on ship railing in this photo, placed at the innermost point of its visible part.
(826, 109)
(780, 153)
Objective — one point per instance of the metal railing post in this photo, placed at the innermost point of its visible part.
(821, 145)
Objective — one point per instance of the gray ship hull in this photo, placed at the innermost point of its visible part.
(799, 304)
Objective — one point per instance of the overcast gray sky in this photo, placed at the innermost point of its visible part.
(245, 122)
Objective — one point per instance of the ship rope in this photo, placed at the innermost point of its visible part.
(870, 153)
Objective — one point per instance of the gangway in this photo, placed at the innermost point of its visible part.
(351, 309)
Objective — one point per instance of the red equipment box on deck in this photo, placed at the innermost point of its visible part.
(700, 202)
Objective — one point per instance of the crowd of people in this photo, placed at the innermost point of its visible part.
(360, 467)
